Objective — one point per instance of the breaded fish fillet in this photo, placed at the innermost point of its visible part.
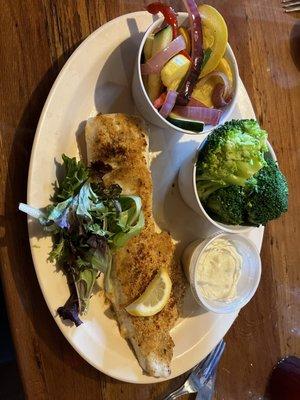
(121, 141)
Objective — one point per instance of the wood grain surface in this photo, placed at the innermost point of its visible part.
(37, 37)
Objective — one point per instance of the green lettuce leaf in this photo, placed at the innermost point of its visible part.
(84, 283)
(130, 221)
(58, 251)
(76, 174)
(87, 200)
(121, 238)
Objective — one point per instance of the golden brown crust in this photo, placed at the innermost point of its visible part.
(121, 141)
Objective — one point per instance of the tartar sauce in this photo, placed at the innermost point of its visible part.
(218, 270)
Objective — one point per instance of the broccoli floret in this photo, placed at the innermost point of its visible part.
(268, 199)
(252, 127)
(227, 205)
(205, 188)
(232, 154)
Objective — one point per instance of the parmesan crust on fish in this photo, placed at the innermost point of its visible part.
(121, 141)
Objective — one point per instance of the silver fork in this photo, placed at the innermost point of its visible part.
(291, 5)
(202, 379)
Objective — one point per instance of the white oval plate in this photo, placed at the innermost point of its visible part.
(97, 78)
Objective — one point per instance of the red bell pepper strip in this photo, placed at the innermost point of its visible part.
(160, 100)
(168, 13)
(170, 19)
(186, 54)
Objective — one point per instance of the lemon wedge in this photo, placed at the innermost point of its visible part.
(154, 298)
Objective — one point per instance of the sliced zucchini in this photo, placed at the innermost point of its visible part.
(147, 53)
(184, 123)
(160, 41)
(148, 47)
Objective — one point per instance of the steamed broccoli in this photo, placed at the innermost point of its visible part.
(232, 154)
(268, 199)
(263, 198)
(227, 205)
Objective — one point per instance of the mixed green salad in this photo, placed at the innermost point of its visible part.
(88, 221)
(237, 180)
(185, 74)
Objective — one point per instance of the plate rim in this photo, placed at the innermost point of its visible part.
(56, 81)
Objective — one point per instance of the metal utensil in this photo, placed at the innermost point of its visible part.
(291, 5)
(202, 379)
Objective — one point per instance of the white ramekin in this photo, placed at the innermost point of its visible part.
(188, 190)
(247, 283)
(146, 108)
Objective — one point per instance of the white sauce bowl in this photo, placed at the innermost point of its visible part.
(247, 283)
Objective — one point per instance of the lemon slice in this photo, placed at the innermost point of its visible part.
(154, 298)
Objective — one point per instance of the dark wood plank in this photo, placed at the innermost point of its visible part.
(36, 39)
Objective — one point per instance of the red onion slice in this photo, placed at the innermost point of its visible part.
(195, 103)
(209, 116)
(169, 103)
(197, 52)
(155, 64)
(218, 96)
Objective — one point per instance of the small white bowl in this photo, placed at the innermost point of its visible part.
(247, 283)
(188, 190)
(146, 108)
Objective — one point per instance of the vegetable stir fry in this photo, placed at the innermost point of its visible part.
(185, 74)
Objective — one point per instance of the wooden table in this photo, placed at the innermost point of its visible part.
(37, 37)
